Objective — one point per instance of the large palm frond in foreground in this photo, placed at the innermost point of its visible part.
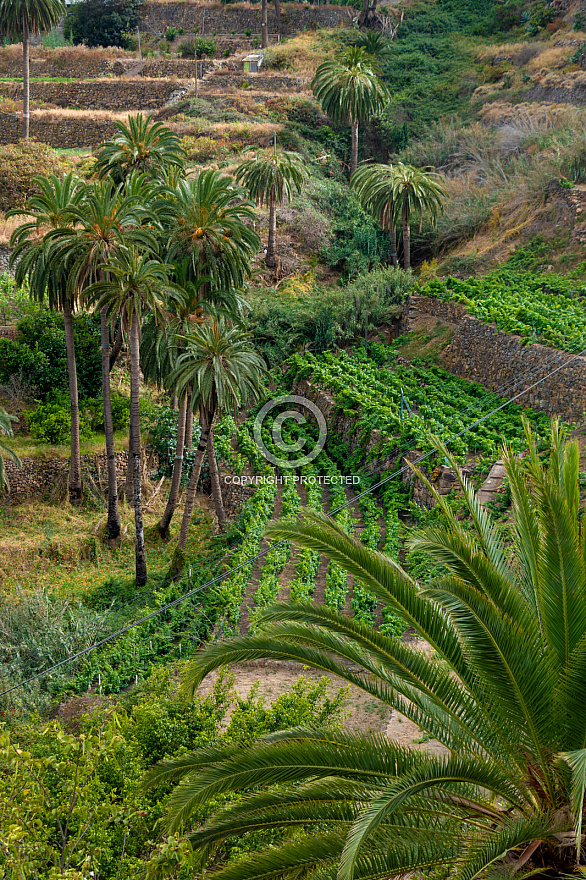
(503, 690)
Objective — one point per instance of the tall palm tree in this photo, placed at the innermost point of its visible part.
(138, 284)
(350, 91)
(22, 18)
(374, 187)
(140, 145)
(51, 209)
(106, 220)
(224, 372)
(503, 690)
(209, 224)
(272, 176)
(414, 191)
(5, 450)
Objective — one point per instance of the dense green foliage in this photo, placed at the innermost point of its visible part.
(291, 318)
(80, 789)
(19, 163)
(540, 308)
(39, 354)
(102, 22)
(433, 401)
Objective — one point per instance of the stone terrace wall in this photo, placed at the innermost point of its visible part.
(482, 353)
(258, 82)
(37, 478)
(144, 94)
(53, 63)
(157, 17)
(64, 132)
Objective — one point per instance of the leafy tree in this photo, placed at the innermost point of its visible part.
(224, 371)
(209, 223)
(414, 190)
(350, 91)
(272, 177)
(51, 210)
(503, 691)
(102, 22)
(374, 186)
(141, 145)
(5, 450)
(21, 18)
(138, 284)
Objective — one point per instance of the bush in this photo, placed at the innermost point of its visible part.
(93, 412)
(19, 163)
(102, 22)
(200, 48)
(50, 422)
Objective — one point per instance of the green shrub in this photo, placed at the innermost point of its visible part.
(200, 48)
(102, 22)
(93, 411)
(51, 422)
(18, 165)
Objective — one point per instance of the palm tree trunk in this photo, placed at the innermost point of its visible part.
(74, 480)
(113, 521)
(270, 259)
(195, 472)
(128, 483)
(354, 154)
(393, 244)
(278, 15)
(263, 24)
(188, 440)
(25, 80)
(406, 238)
(177, 470)
(174, 401)
(215, 480)
(140, 553)
(117, 347)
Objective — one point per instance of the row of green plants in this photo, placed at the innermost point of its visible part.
(541, 308)
(407, 404)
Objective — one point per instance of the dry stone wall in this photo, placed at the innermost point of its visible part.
(499, 361)
(51, 62)
(63, 132)
(39, 478)
(157, 17)
(142, 94)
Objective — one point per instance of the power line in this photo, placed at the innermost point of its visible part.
(262, 553)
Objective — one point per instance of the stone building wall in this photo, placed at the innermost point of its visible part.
(501, 362)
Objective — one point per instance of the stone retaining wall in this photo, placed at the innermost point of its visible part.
(62, 132)
(482, 353)
(143, 94)
(157, 17)
(258, 82)
(52, 62)
(39, 478)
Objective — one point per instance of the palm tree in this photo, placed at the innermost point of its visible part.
(272, 177)
(224, 371)
(22, 18)
(209, 224)
(106, 220)
(374, 43)
(5, 450)
(51, 209)
(374, 186)
(414, 191)
(503, 690)
(138, 284)
(350, 91)
(141, 145)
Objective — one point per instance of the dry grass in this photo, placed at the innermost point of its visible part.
(54, 115)
(302, 54)
(7, 227)
(65, 54)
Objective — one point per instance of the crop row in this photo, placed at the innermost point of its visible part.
(539, 308)
(408, 404)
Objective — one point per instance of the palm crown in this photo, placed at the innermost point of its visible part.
(503, 691)
(141, 145)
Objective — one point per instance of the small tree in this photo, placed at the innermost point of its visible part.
(224, 371)
(272, 177)
(374, 187)
(138, 284)
(102, 22)
(140, 145)
(414, 190)
(350, 91)
(21, 18)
